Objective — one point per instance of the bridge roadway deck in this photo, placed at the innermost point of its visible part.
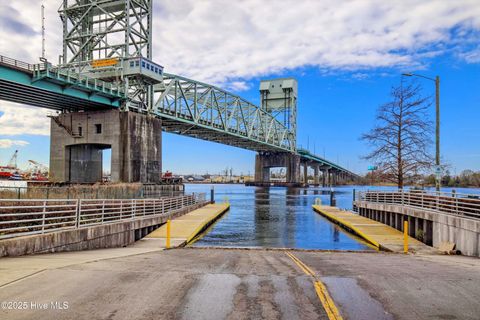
(185, 228)
(378, 234)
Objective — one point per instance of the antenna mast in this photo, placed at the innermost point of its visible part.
(42, 58)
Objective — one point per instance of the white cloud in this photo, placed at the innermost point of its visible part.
(220, 42)
(223, 42)
(471, 56)
(16, 119)
(230, 42)
(7, 143)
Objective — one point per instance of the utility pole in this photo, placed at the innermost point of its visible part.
(438, 169)
(438, 180)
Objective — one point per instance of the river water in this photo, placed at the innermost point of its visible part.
(281, 218)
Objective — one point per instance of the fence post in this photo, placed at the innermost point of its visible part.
(77, 218)
(103, 210)
(134, 207)
(43, 215)
(163, 206)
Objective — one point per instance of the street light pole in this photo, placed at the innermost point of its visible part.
(437, 131)
(437, 126)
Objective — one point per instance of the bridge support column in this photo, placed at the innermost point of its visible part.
(266, 160)
(325, 177)
(262, 173)
(305, 173)
(77, 140)
(334, 178)
(315, 175)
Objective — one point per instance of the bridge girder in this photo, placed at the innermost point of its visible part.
(210, 112)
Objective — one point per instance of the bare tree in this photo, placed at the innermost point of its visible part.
(401, 137)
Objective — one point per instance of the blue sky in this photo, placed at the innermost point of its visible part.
(345, 55)
(334, 110)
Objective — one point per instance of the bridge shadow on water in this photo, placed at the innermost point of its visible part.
(277, 218)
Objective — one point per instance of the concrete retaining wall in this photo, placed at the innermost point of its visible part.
(464, 232)
(102, 236)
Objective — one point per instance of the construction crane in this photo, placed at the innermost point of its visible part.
(13, 160)
(10, 170)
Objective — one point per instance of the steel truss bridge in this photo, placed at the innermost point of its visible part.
(204, 111)
(186, 107)
(106, 63)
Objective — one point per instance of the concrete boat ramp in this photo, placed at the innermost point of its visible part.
(143, 281)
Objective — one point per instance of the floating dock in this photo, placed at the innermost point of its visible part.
(378, 234)
(185, 228)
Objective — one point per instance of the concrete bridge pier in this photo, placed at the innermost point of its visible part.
(78, 139)
(315, 175)
(266, 160)
(305, 173)
(334, 177)
(325, 176)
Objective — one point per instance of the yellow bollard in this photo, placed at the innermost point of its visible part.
(405, 236)
(168, 234)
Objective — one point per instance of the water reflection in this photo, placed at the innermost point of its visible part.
(276, 217)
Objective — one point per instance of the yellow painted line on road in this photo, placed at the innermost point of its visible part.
(327, 301)
(302, 266)
(321, 290)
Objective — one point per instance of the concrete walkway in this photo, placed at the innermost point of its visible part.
(378, 234)
(185, 228)
(16, 268)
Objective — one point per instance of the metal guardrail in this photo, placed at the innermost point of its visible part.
(21, 65)
(28, 217)
(80, 80)
(452, 203)
(83, 192)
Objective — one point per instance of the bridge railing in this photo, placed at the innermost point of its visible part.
(451, 203)
(15, 63)
(28, 217)
(82, 80)
(21, 65)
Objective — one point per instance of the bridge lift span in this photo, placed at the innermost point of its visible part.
(112, 95)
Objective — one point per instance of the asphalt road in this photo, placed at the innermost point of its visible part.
(195, 283)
